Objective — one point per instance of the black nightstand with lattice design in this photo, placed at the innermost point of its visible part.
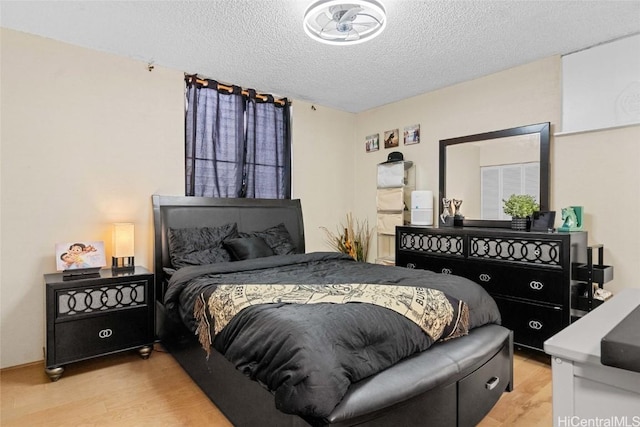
(97, 316)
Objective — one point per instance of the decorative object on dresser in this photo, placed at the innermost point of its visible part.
(446, 217)
(396, 181)
(543, 221)
(458, 218)
(529, 274)
(520, 207)
(97, 316)
(571, 218)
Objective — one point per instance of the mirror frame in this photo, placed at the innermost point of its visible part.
(543, 129)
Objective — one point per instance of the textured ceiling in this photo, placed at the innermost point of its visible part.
(260, 44)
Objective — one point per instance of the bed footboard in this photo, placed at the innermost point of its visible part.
(462, 397)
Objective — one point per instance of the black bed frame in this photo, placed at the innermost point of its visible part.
(448, 399)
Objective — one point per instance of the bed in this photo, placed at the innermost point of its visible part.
(452, 374)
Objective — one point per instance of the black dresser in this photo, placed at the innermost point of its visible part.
(529, 274)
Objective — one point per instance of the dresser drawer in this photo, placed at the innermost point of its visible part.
(435, 264)
(434, 244)
(539, 284)
(531, 250)
(531, 324)
(101, 333)
(100, 298)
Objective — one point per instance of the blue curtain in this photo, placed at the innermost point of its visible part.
(236, 145)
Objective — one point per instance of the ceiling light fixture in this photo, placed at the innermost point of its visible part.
(344, 22)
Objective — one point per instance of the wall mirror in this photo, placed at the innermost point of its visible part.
(485, 168)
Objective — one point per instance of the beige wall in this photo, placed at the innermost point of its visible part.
(86, 139)
(598, 170)
(322, 168)
(81, 137)
(601, 171)
(519, 96)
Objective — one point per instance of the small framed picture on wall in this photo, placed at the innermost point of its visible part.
(391, 138)
(372, 143)
(411, 134)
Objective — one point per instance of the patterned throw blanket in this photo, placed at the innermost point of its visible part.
(438, 315)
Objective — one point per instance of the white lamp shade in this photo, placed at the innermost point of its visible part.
(123, 239)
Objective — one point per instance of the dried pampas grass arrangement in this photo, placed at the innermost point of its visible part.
(352, 238)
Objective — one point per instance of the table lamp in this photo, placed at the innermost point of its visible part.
(123, 248)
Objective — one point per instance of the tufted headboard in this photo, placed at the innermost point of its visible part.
(249, 214)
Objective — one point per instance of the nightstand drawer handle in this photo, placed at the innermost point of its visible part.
(484, 277)
(535, 324)
(535, 285)
(446, 270)
(492, 383)
(105, 333)
(411, 265)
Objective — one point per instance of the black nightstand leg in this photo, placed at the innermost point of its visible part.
(54, 373)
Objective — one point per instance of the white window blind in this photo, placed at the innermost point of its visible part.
(500, 182)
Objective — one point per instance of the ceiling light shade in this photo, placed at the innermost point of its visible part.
(344, 22)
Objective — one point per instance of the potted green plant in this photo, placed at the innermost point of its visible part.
(520, 207)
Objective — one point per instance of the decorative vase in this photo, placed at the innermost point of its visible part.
(518, 223)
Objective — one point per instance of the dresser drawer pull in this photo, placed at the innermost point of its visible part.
(411, 265)
(492, 383)
(535, 324)
(535, 285)
(484, 277)
(446, 270)
(105, 333)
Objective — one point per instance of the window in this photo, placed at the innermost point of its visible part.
(237, 142)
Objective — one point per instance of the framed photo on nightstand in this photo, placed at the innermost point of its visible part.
(80, 257)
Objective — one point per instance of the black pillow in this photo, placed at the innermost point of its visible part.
(247, 248)
(278, 239)
(199, 245)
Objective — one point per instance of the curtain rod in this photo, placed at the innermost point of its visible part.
(245, 92)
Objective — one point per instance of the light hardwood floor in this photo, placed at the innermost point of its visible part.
(125, 390)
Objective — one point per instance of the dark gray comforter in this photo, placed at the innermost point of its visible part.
(308, 355)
